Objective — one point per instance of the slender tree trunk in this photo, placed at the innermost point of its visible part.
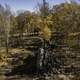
(6, 43)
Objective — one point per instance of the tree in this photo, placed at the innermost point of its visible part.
(43, 22)
(24, 24)
(5, 19)
(66, 19)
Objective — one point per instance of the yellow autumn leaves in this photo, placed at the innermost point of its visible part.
(44, 25)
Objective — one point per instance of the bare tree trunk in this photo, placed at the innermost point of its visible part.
(6, 44)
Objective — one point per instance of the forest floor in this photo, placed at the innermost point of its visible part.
(17, 77)
(53, 77)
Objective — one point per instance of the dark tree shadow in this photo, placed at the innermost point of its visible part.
(28, 68)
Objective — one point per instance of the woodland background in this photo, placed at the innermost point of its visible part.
(54, 30)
